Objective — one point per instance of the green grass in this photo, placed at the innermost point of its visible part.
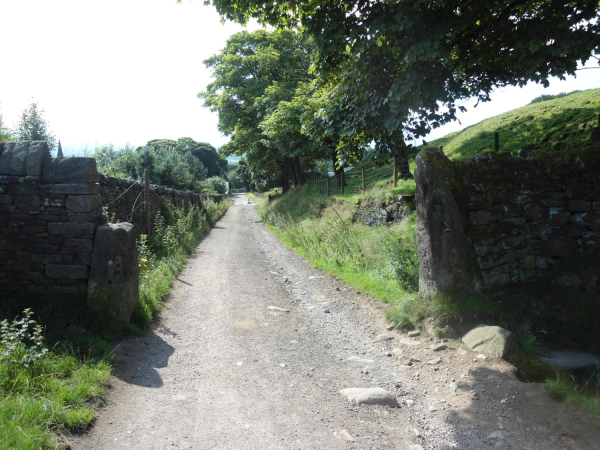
(380, 261)
(57, 391)
(555, 125)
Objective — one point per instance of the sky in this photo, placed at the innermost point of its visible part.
(129, 71)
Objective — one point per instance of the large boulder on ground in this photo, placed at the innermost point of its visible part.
(370, 396)
(113, 286)
(492, 341)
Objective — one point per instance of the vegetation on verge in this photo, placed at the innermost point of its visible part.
(54, 365)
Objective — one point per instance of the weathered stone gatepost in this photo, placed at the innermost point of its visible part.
(446, 258)
(113, 287)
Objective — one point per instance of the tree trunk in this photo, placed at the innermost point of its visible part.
(337, 171)
(285, 179)
(298, 170)
(402, 163)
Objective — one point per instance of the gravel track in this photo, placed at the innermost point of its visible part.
(220, 370)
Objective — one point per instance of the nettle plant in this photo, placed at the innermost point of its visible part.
(21, 341)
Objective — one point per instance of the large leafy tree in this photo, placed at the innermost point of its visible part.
(209, 157)
(404, 65)
(32, 126)
(253, 75)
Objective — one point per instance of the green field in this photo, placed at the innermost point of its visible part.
(562, 124)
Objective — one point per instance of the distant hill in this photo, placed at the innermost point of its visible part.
(554, 125)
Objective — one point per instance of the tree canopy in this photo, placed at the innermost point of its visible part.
(215, 165)
(257, 77)
(403, 66)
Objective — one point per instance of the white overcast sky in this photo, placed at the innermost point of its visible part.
(128, 71)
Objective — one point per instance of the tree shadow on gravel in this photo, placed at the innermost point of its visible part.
(499, 407)
(139, 357)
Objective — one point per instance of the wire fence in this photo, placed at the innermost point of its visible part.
(358, 180)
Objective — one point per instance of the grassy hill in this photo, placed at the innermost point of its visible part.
(554, 125)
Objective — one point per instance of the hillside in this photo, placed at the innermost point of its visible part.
(560, 124)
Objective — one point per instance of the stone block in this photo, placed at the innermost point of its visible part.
(8, 179)
(67, 272)
(558, 247)
(590, 242)
(71, 228)
(558, 217)
(78, 245)
(18, 165)
(83, 217)
(14, 265)
(487, 262)
(113, 287)
(75, 188)
(46, 249)
(31, 200)
(70, 170)
(554, 202)
(83, 258)
(83, 203)
(6, 159)
(536, 213)
(480, 218)
(574, 231)
(36, 258)
(6, 199)
(38, 152)
(512, 241)
(528, 263)
(495, 280)
(23, 189)
(33, 229)
(54, 201)
(579, 205)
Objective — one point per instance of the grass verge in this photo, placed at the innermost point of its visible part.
(54, 366)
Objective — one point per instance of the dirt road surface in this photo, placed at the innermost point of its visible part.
(220, 370)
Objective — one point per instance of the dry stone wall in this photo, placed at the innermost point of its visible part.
(49, 211)
(124, 200)
(521, 217)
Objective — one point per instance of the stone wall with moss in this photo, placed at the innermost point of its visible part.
(524, 216)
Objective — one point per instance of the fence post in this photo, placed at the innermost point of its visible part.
(328, 188)
(496, 141)
(395, 171)
(363, 180)
(342, 176)
(148, 208)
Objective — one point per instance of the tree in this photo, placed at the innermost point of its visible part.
(403, 66)
(33, 126)
(5, 134)
(254, 74)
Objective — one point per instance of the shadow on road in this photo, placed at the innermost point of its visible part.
(139, 357)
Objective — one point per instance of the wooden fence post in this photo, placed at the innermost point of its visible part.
(395, 171)
(343, 179)
(328, 187)
(496, 141)
(363, 180)
(148, 207)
